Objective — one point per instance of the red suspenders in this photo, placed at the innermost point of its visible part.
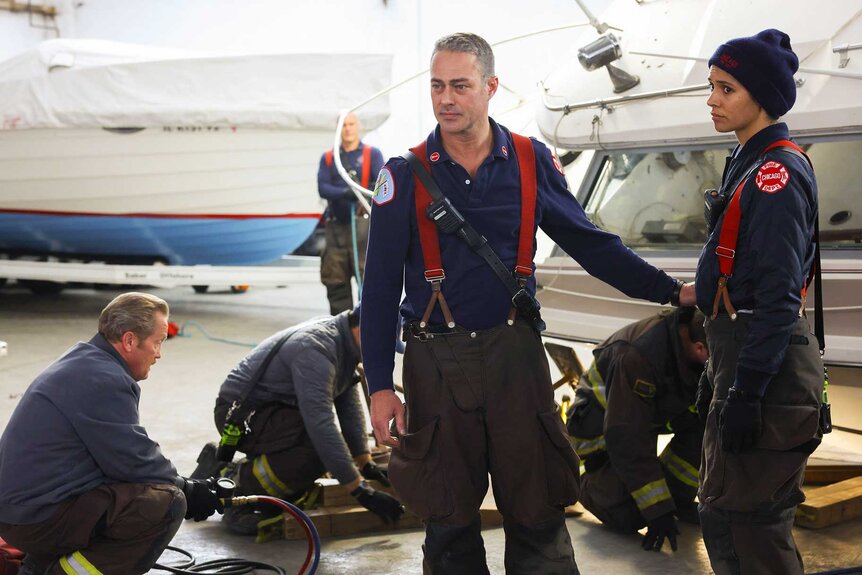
(366, 163)
(729, 233)
(430, 241)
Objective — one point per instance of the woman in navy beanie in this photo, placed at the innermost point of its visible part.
(761, 392)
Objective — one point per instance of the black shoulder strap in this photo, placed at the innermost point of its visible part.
(819, 328)
(474, 239)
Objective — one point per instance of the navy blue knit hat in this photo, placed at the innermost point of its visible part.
(764, 64)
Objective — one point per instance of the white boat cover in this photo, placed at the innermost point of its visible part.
(93, 83)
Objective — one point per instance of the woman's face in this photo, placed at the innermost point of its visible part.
(733, 108)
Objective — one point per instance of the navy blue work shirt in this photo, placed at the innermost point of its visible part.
(774, 253)
(491, 202)
(330, 186)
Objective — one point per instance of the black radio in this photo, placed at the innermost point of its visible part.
(445, 216)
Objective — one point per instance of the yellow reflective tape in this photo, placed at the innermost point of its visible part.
(64, 565)
(598, 385)
(680, 468)
(77, 564)
(584, 447)
(267, 479)
(651, 494)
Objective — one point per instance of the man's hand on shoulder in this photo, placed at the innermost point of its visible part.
(385, 406)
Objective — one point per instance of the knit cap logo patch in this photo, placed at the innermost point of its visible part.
(728, 61)
(772, 177)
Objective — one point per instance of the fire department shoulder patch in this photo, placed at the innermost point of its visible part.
(557, 163)
(384, 189)
(772, 177)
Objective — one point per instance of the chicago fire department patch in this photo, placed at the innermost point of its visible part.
(772, 177)
(384, 189)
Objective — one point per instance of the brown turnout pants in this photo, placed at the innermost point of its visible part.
(748, 499)
(480, 403)
(337, 264)
(112, 529)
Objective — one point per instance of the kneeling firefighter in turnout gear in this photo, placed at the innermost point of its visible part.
(279, 407)
(765, 377)
(83, 489)
(642, 383)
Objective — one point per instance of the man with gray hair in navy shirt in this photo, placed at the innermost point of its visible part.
(476, 380)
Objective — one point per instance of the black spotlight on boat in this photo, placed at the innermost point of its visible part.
(601, 52)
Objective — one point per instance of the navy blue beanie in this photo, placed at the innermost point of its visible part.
(764, 64)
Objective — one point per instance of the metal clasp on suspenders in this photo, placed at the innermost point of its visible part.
(435, 277)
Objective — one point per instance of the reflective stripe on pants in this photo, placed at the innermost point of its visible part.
(77, 564)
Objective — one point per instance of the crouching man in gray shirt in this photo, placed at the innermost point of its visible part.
(282, 396)
(83, 489)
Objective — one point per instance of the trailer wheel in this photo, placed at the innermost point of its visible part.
(200, 289)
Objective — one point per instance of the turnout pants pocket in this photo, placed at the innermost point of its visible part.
(417, 473)
(561, 463)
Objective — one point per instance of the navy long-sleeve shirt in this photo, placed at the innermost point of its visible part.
(774, 253)
(491, 202)
(76, 428)
(331, 187)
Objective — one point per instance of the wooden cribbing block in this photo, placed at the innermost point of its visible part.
(336, 495)
(355, 519)
(825, 474)
(831, 504)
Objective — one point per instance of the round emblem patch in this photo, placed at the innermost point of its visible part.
(434, 157)
(772, 177)
(505, 151)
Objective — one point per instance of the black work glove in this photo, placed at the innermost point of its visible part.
(704, 395)
(373, 471)
(381, 504)
(201, 501)
(663, 526)
(739, 423)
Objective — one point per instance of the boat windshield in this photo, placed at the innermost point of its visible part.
(654, 200)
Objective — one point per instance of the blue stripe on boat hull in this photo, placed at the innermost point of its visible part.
(177, 240)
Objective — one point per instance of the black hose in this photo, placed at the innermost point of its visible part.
(231, 566)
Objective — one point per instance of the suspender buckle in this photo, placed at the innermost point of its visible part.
(435, 276)
(724, 252)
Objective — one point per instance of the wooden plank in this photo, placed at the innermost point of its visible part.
(825, 474)
(334, 494)
(831, 504)
(355, 519)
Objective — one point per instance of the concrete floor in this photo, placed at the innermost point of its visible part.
(176, 408)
